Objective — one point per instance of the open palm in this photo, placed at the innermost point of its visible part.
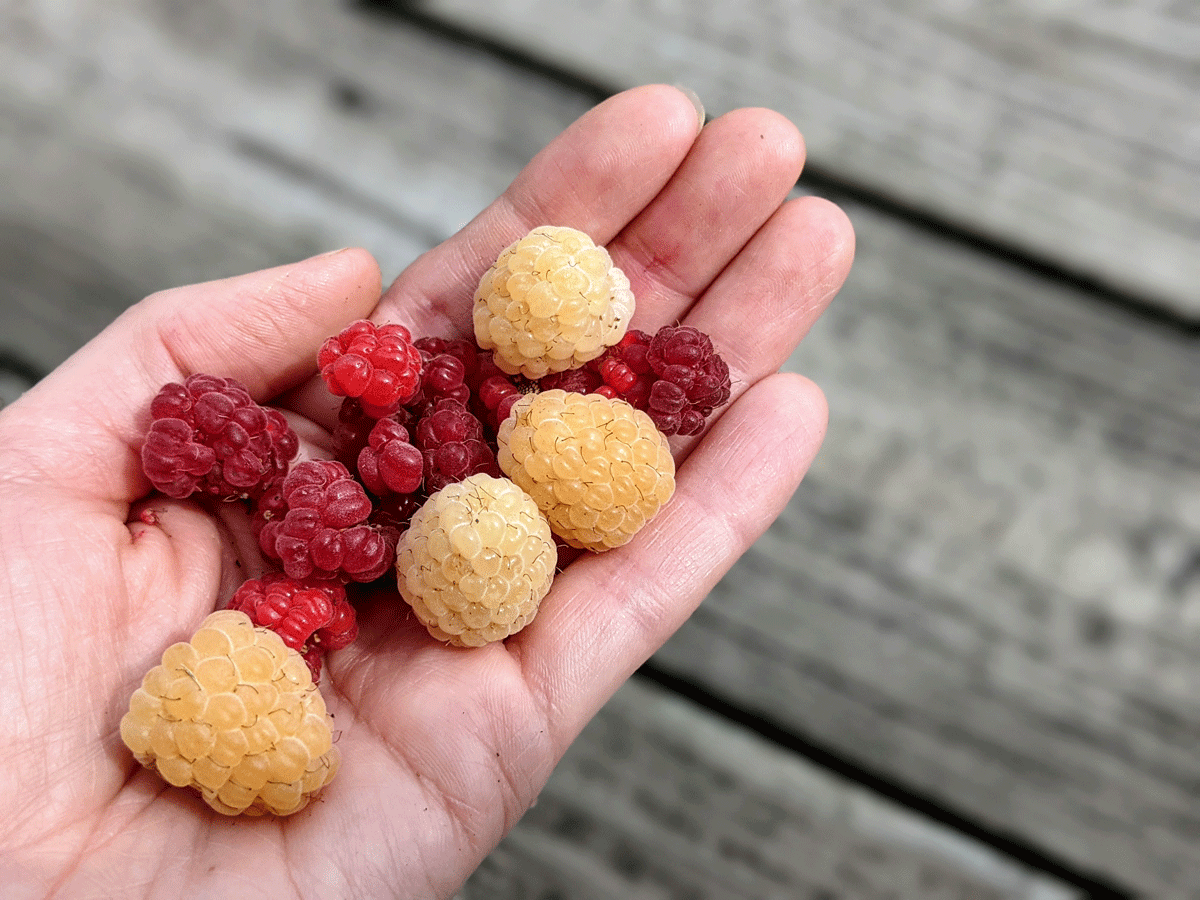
(443, 749)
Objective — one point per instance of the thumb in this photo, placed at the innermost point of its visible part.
(81, 426)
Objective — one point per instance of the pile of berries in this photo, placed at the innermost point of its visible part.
(460, 470)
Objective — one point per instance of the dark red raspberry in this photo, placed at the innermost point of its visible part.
(579, 381)
(378, 364)
(497, 394)
(312, 618)
(676, 376)
(463, 350)
(208, 435)
(485, 368)
(351, 432)
(452, 442)
(268, 506)
(325, 533)
(393, 512)
(326, 485)
(390, 464)
(443, 377)
(693, 379)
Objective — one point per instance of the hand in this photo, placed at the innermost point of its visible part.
(443, 749)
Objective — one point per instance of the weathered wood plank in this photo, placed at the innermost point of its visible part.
(660, 799)
(146, 144)
(1069, 130)
(988, 587)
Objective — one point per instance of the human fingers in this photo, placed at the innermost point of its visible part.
(262, 329)
(596, 176)
(606, 613)
(735, 176)
(765, 301)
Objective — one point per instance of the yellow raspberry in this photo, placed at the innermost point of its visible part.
(551, 301)
(476, 561)
(234, 714)
(597, 468)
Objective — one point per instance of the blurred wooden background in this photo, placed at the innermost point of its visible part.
(965, 663)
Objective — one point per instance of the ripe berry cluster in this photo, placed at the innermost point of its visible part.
(207, 435)
(417, 416)
(463, 467)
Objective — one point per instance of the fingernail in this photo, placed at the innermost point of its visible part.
(331, 253)
(695, 98)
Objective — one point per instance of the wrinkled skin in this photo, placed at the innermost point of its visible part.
(443, 749)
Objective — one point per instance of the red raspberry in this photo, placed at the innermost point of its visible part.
(389, 463)
(393, 512)
(463, 350)
(497, 395)
(311, 618)
(376, 363)
(453, 445)
(209, 435)
(443, 377)
(324, 533)
(350, 433)
(353, 430)
(578, 381)
(626, 371)
(693, 379)
(676, 376)
(634, 351)
(486, 368)
(268, 506)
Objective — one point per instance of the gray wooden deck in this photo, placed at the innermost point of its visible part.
(965, 662)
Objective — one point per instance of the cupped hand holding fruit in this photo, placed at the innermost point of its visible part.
(441, 748)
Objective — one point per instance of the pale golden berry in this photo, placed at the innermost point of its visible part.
(552, 301)
(234, 714)
(597, 468)
(476, 561)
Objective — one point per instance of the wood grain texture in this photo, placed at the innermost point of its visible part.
(660, 799)
(1068, 130)
(147, 143)
(988, 587)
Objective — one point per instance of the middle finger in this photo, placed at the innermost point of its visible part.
(737, 173)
